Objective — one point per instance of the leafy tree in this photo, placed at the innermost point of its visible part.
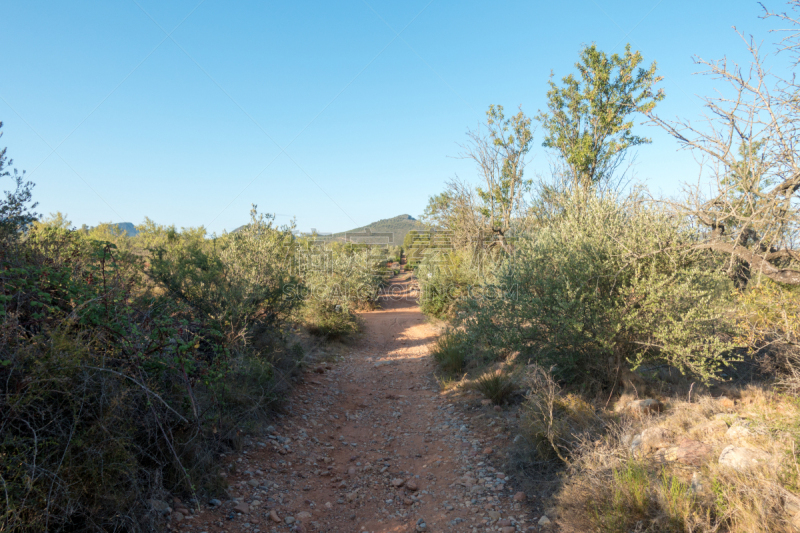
(14, 209)
(56, 220)
(486, 214)
(502, 163)
(588, 122)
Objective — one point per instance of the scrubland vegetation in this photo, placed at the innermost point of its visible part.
(128, 365)
(652, 342)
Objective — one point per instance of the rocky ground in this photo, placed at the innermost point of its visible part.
(370, 444)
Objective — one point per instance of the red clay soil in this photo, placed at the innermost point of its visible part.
(370, 444)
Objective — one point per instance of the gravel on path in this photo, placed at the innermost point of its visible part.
(369, 445)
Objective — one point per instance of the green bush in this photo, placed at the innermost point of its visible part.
(394, 253)
(124, 375)
(234, 281)
(447, 278)
(337, 280)
(324, 319)
(603, 283)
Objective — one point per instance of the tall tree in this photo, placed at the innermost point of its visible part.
(588, 121)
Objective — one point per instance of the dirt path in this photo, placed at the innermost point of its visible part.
(370, 445)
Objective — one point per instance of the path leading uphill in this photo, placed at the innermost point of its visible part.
(370, 445)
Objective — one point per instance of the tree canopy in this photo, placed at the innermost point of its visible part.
(588, 121)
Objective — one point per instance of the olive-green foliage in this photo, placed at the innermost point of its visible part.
(511, 138)
(115, 388)
(395, 253)
(588, 122)
(337, 279)
(328, 321)
(54, 220)
(409, 238)
(151, 236)
(606, 281)
(449, 277)
(234, 280)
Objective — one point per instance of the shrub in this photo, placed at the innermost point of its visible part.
(447, 278)
(115, 389)
(606, 282)
(394, 254)
(337, 280)
(325, 319)
(234, 281)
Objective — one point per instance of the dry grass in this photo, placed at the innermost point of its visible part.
(557, 424)
(614, 489)
(789, 375)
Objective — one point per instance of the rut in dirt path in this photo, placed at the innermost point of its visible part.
(370, 445)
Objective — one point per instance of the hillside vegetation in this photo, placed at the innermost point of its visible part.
(645, 350)
(130, 365)
(648, 345)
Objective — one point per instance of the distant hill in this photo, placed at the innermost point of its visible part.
(122, 227)
(127, 227)
(398, 226)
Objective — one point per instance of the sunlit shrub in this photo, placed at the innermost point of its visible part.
(121, 382)
(337, 280)
(606, 282)
(449, 277)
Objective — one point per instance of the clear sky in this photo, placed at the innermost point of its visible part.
(336, 113)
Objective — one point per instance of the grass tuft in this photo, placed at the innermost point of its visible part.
(449, 352)
(496, 386)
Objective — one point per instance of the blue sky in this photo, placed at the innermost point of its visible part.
(336, 113)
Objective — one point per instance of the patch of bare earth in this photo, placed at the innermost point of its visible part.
(369, 445)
